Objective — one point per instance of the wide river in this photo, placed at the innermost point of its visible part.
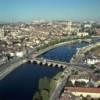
(22, 83)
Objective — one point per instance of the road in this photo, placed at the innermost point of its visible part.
(56, 94)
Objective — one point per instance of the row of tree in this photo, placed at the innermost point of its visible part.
(77, 84)
(46, 87)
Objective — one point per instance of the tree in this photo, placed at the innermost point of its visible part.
(52, 86)
(37, 96)
(69, 84)
(74, 72)
(44, 95)
(44, 83)
(92, 67)
(41, 85)
(88, 97)
(80, 84)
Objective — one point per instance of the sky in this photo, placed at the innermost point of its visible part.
(28, 10)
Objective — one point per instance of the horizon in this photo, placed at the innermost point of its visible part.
(13, 11)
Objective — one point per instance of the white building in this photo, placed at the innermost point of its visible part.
(87, 26)
(92, 61)
(80, 78)
(1, 33)
(82, 34)
(19, 54)
(3, 60)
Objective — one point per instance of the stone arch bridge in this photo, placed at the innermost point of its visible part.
(49, 63)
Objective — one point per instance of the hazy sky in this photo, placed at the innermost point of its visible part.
(28, 10)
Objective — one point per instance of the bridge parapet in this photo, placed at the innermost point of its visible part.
(49, 63)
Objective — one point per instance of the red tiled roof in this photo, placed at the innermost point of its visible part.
(81, 89)
(98, 31)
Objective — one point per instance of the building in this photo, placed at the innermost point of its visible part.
(82, 77)
(3, 60)
(92, 60)
(97, 31)
(95, 80)
(87, 26)
(1, 33)
(81, 91)
(82, 34)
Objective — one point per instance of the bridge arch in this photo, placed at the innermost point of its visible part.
(51, 65)
(61, 66)
(34, 62)
(29, 62)
(56, 66)
(46, 64)
(41, 63)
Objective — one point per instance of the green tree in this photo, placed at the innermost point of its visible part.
(88, 97)
(69, 84)
(92, 67)
(44, 95)
(41, 84)
(52, 86)
(44, 83)
(80, 84)
(37, 96)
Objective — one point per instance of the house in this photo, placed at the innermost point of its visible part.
(97, 31)
(92, 60)
(82, 77)
(82, 34)
(95, 80)
(3, 59)
(87, 26)
(20, 53)
(81, 91)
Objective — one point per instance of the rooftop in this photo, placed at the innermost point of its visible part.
(81, 89)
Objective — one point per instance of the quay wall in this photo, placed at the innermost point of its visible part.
(81, 52)
(10, 68)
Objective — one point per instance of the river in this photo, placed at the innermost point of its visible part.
(64, 52)
(22, 83)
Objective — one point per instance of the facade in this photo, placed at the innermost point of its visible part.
(79, 91)
(20, 53)
(87, 26)
(1, 33)
(92, 61)
(3, 60)
(82, 34)
(82, 77)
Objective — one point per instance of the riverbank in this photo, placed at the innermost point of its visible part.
(12, 67)
(81, 52)
(40, 52)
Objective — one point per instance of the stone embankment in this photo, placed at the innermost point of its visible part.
(10, 68)
(78, 57)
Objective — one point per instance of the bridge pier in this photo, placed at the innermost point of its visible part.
(34, 62)
(49, 63)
